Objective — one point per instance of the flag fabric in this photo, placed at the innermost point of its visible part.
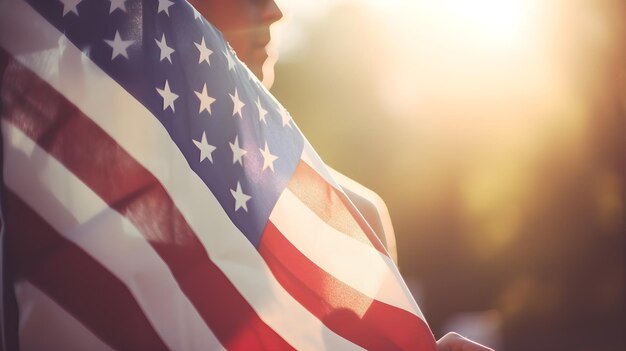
(156, 196)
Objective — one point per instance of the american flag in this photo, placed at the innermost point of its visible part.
(156, 196)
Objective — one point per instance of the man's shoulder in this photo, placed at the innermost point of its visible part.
(373, 209)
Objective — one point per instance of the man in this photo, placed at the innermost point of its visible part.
(133, 238)
(246, 26)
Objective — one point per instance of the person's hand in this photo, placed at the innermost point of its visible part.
(455, 342)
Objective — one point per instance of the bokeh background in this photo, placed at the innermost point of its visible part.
(495, 130)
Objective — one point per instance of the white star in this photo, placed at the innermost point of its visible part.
(237, 104)
(119, 46)
(285, 117)
(205, 100)
(168, 96)
(240, 198)
(262, 111)
(238, 152)
(164, 5)
(205, 148)
(70, 6)
(230, 59)
(205, 52)
(166, 51)
(117, 4)
(268, 158)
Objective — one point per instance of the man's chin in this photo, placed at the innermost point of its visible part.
(268, 70)
(264, 72)
(257, 70)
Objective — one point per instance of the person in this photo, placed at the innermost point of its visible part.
(245, 24)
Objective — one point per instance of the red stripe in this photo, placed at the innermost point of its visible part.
(367, 322)
(94, 157)
(331, 205)
(75, 281)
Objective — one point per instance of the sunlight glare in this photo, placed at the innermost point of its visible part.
(498, 21)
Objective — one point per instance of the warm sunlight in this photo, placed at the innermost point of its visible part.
(483, 53)
(499, 22)
(492, 129)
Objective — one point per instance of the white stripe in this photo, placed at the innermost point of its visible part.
(141, 135)
(360, 266)
(78, 214)
(44, 325)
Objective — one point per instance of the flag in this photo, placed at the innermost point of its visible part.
(157, 196)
